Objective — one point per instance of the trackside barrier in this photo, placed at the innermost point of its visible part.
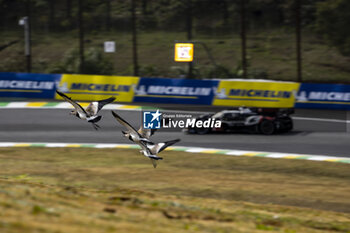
(250, 93)
(96, 87)
(22, 85)
(256, 93)
(323, 96)
(178, 91)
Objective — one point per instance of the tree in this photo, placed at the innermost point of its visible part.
(52, 14)
(108, 15)
(332, 21)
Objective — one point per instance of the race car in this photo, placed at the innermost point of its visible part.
(253, 120)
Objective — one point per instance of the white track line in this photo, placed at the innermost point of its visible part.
(321, 119)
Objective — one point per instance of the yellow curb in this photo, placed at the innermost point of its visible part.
(250, 154)
(36, 104)
(73, 145)
(291, 157)
(170, 148)
(331, 160)
(84, 105)
(22, 145)
(129, 107)
(209, 151)
(123, 146)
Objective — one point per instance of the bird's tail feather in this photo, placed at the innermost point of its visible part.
(96, 126)
(154, 162)
(95, 119)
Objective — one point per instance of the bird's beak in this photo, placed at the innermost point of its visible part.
(124, 132)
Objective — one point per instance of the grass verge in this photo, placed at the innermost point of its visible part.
(109, 190)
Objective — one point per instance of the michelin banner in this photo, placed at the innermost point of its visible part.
(256, 93)
(97, 87)
(329, 96)
(175, 91)
(23, 85)
(233, 93)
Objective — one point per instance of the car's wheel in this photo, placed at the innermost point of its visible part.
(267, 127)
(290, 128)
(202, 130)
(287, 126)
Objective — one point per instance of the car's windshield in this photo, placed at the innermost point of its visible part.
(221, 114)
(218, 115)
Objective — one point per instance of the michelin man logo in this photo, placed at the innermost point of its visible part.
(221, 94)
(301, 97)
(62, 88)
(141, 90)
(151, 120)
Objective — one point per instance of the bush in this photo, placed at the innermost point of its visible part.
(15, 62)
(94, 63)
(218, 71)
(333, 19)
(149, 70)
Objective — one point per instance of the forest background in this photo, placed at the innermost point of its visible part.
(233, 39)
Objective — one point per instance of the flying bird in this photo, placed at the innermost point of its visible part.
(141, 137)
(155, 148)
(90, 113)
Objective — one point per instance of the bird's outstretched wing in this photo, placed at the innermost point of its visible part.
(77, 106)
(124, 122)
(96, 106)
(157, 148)
(146, 133)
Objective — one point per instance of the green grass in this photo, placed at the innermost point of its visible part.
(117, 190)
(271, 52)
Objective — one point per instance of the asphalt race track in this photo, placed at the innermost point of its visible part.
(315, 131)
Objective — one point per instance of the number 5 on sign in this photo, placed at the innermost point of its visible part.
(184, 52)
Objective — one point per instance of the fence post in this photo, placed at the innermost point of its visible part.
(243, 39)
(189, 35)
(298, 39)
(134, 38)
(27, 37)
(81, 36)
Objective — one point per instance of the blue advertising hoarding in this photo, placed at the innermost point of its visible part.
(170, 90)
(175, 91)
(326, 96)
(26, 85)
